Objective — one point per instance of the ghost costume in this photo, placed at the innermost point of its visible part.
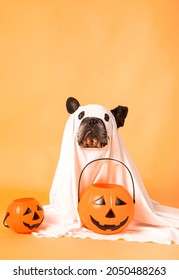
(152, 221)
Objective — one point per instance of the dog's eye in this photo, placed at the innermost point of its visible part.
(106, 117)
(81, 115)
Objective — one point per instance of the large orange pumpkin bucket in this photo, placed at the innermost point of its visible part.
(24, 215)
(106, 208)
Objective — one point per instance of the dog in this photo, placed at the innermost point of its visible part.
(92, 132)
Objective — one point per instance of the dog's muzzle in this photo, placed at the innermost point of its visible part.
(92, 133)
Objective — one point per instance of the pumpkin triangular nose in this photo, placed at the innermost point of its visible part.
(110, 214)
(36, 216)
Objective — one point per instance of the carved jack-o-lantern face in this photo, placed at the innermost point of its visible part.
(106, 208)
(24, 215)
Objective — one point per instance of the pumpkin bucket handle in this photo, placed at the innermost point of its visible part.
(7, 215)
(111, 160)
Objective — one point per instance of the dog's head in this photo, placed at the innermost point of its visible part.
(92, 131)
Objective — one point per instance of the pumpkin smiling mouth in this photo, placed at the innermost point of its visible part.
(33, 226)
(111, 227)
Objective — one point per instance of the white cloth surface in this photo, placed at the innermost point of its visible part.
(152, 222)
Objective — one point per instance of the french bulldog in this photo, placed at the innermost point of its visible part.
(92, 132)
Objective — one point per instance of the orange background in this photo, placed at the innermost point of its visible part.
(106, 52)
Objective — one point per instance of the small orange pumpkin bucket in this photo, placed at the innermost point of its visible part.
(106, 208)
(24, 215)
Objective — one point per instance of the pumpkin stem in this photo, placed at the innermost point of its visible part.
(7, 215)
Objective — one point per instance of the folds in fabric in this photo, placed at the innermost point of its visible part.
(151, 222)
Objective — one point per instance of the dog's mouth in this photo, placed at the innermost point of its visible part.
(90, 141)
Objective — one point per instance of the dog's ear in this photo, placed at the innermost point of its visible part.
(72, 105)
(120, 113)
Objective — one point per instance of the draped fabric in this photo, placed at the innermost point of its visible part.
(151, 222)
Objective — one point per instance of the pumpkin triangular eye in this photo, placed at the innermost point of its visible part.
(119, 202)
(39, 208)
(28, 211)
(100, 201)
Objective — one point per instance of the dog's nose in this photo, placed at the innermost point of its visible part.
(92, 121)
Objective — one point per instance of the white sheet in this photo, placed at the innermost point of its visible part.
(152, 221)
